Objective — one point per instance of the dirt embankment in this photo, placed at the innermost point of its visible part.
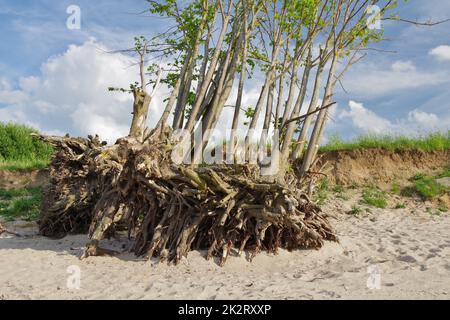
(22, 179)
(381, 167)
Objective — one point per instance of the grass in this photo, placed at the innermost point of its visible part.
(437, 141)
(426, 187)
(445, 173)
(23, 165)
(442, 207)
(20, 203)
(321, 192)
(340, 192)
(375, 197)
(19, 151)
(396, 189)
(400, 206)
(355, 210)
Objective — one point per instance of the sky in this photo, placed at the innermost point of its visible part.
(55, 79)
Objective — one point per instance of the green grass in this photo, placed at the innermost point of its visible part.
(432, 142)
(445, 173)
(340, 192)
(20, 203)
(322, 191)
(400, 206)
(355, 210)
(23, 165)
(375, 197)
(426, 187)
(396, 189)
(19, 151)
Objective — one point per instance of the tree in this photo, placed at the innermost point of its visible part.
(169, 207)
(142, 98)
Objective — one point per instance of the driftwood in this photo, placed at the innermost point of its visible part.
(169, 210)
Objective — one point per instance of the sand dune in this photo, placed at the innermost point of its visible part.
(392, 254)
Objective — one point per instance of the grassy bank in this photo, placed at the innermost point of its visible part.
(20, 203)
(19, 151)
(431, 142)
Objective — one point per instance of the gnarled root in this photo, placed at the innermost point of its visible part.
(171, 209)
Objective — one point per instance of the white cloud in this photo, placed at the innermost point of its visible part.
(441, 52)
(371, 80)
(70, 94)
(403, 66)
(364, 119)
(415, 122)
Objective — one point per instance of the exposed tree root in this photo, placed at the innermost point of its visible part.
(170, 209)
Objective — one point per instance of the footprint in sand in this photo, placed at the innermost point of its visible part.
(407, 259)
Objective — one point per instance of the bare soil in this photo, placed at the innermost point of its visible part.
(380, 167)
(22, 179)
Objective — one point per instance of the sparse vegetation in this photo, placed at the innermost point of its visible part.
(356, 210)
(445, 173)
(19, 151)
(437, 141)
(20, 203)
(322, 191)
(340, 192)
(426, 187)
(442, 207)
(400, 206)
(434, 212)
(396, 189)
(374, 197)
(338, 189)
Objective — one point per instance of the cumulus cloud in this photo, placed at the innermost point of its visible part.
(441, 52)
(370, 80)
(365, 119)
(415, 122)
(70, 94)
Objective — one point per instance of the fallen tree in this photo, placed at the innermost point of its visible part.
(168, 207)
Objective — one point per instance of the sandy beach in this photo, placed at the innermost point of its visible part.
(382, 254)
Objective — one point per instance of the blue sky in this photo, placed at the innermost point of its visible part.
(55, 79)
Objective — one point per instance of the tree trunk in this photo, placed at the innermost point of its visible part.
(287, 141)
(209, 75)
(318, 129)
(301, 141)
(169, 106)
(140, 112)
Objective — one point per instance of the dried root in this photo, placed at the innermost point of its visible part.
(171, 209)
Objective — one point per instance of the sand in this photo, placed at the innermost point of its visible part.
(383, 254)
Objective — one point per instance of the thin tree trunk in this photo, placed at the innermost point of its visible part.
(318, 129)
(301, 141)
(212, 67)
(269, 107)
(243, 74)
(270, 77)
(185, 87)
(181, 88)
(296, 112)
(279, 102)
(227, 75)
(166, 113)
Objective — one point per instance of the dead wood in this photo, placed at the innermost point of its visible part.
(169, 210)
